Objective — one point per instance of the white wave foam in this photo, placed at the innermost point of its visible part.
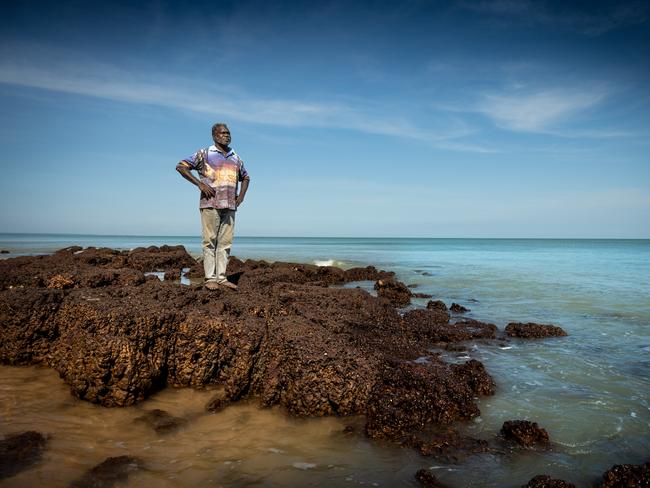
(327, 262)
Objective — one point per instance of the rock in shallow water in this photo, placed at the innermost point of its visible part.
(110, 472)
(20, 451)
(627, 476)
(162, 422)
(533, 331)
(427, 479)
(545, 481)
(525, 433)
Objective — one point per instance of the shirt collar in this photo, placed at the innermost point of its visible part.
(213, 148)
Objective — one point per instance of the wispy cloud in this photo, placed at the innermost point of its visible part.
(538, 111)
(69, 73)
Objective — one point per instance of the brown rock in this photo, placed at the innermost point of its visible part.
(437, 305)
(447, 445)
(60, 282)
(627, 476)
(285, 338)
(544, 481)
(456, 308)
(161, 421)
(434, 325)
(427, 479)
(112, 471)
(524, 433)
(533, 331)
(20, 451)
(395, 291)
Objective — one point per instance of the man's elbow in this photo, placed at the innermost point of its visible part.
(181, 166)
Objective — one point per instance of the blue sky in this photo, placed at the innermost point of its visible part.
(426, 119)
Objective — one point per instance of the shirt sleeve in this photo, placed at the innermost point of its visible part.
(243, 174)
(197, 160)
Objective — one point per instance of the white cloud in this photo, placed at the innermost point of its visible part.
(47, 69)
(536, 112)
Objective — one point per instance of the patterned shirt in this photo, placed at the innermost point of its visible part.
(223, 173)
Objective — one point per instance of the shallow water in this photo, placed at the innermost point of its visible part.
(590, 390)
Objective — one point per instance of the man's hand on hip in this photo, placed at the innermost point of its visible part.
(206, 190)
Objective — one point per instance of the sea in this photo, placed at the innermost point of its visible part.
(589, 390)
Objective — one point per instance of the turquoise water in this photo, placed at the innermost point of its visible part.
(590, 390)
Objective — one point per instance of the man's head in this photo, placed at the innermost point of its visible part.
(221, 134)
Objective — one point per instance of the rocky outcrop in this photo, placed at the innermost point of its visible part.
(545, 481)
(20, 451)
(533, 331)
(112, 471)
(161, 421)
(627, 476)
(525, 433)
(427, 479)
(456, 308)
(394, 291)
(285, 338)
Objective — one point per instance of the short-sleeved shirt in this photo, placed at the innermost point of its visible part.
(223, 173)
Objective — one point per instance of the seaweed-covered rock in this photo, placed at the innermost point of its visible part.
(395, 291)
(20, 451)
(437, 305)
(410, 397)
(456, 308)
(447, 445)
(533, 331)
(427, 479)
(524, 433)
(108, 473)
(545, 481)
(627, 476)
(434, 325)
(284, 338)
(161, 421)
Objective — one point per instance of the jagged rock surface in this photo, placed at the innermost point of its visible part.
(533, 331)
(285, 338)
(20, 451)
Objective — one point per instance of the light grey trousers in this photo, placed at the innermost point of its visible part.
(218, 227)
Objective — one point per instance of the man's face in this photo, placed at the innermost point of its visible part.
(222, 135)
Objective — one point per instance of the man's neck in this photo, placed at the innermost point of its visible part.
(221, 148)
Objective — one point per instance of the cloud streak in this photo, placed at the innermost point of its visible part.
(538, 111)
(63, 72)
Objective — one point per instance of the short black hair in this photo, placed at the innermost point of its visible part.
(217, 125)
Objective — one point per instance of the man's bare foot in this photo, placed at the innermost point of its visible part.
(211, 285)
(228, 284)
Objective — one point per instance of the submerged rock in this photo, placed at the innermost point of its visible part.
(545, 481)
(627, 476)
(20, 451)
(533, 331)
(525, 433)
(110, 472)
(395, 291)
(447, 445)
(161, 421)
(456, 308)
(427, 479)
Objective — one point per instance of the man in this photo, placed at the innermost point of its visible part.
(221, 170)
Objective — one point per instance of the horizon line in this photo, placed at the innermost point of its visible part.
(320, 237)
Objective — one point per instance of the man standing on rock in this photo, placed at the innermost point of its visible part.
(220, 170)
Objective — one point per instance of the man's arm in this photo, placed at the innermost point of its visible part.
(243, 190)
(186, 172)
